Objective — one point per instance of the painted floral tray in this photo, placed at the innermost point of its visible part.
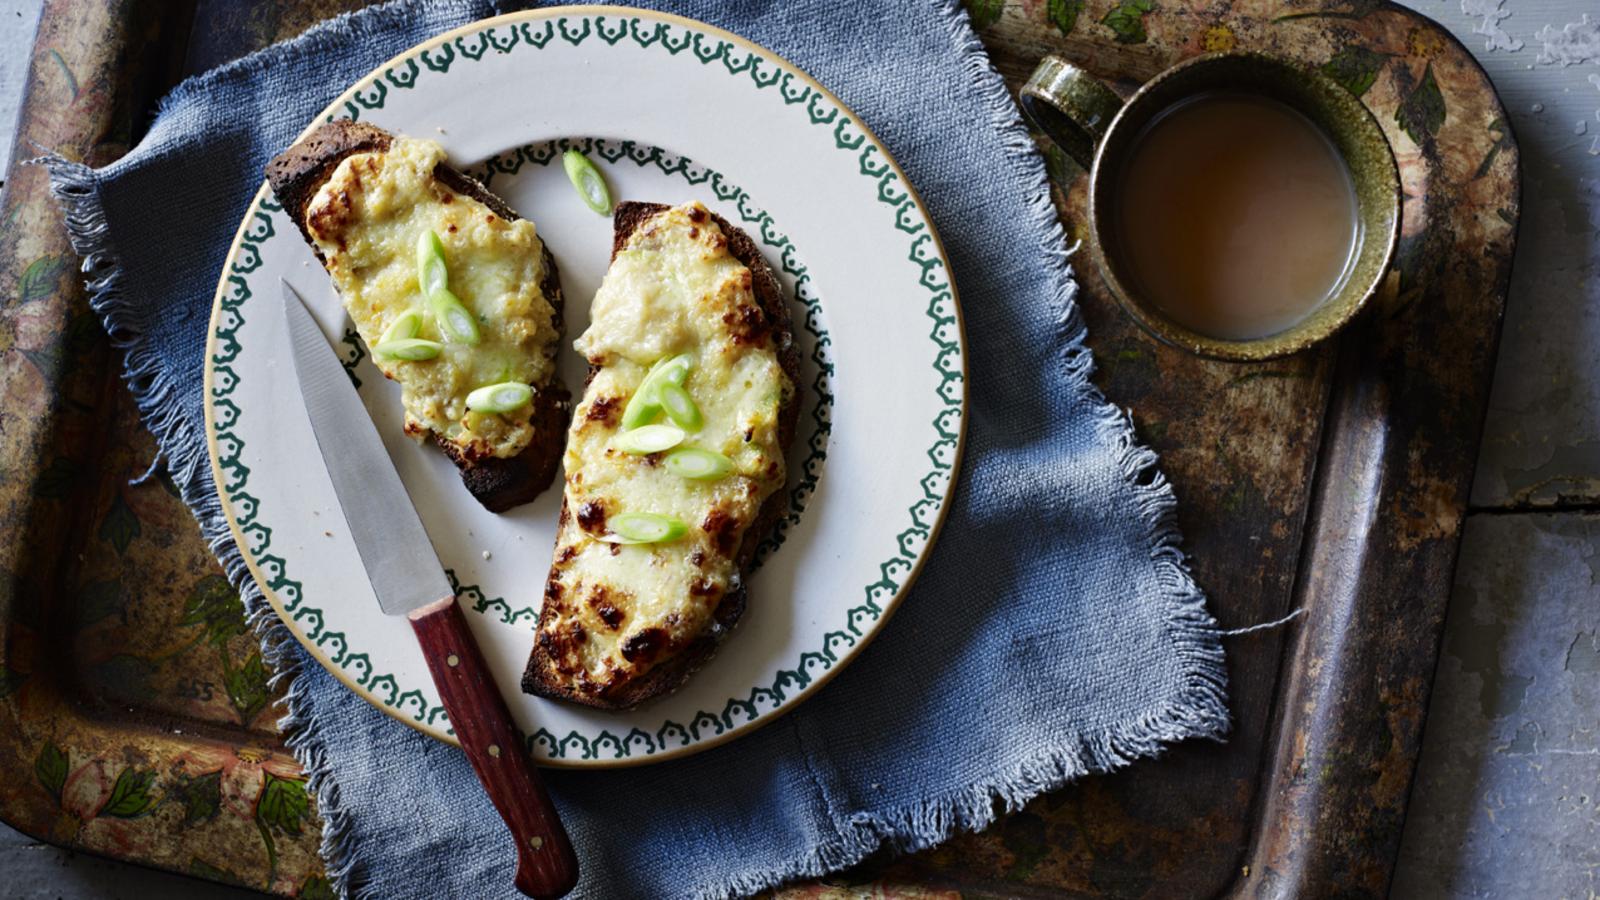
(135, 712)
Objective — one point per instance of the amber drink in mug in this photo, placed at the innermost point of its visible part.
(1241, 207)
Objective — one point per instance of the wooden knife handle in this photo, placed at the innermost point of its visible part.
(546, 865)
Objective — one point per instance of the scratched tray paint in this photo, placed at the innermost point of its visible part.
(1334, 480)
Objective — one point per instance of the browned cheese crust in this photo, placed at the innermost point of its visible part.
(541, 676)
(297, 173)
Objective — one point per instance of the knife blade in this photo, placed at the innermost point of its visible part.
(395, 549)
(407, 578)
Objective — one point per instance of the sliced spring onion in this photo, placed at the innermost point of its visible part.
(680, 407)
(455, 322)
(639, 412)
(407, 326)
(646, 401)
(698, 464)
(431, 272)
(644, 528)
(649, 439)
(499, 398)
(409, 348)
(675, 369)
(587, 179)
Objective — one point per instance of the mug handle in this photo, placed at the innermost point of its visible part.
(1071, 106)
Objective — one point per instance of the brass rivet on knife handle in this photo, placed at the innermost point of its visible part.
(546, 863)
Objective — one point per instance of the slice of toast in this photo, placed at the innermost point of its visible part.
(499, 477)
(609, 635)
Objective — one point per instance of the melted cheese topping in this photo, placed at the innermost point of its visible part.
(612, 611)
(366, 219)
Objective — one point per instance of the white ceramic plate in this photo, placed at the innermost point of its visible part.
(671, 110)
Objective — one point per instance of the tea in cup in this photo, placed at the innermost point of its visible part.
(1241, 207)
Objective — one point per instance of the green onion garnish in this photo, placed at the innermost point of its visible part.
(587, 179)
(455, 320)
(644, 528)
(680, 407)
(675, 369)
(646, 401)
(649, 439)
(698, 464)
(499, 398)
(640, 410)
(409, 348)
(407, 326)
(431, 272)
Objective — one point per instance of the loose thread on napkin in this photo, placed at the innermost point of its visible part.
(1275, 623)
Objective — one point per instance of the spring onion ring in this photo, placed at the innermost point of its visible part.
(698, 464)
(644, 528)
(649, 439)
(409, 348)
(406, 326)
(500, 398)
(587, 179)
(645, 404)
(680, 407)
(455, 321)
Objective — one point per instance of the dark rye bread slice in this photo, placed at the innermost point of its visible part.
(499, 484)
(541, 677)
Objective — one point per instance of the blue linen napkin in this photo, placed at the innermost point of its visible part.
(1054, 632)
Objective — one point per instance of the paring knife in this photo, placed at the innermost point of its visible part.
(408, 579)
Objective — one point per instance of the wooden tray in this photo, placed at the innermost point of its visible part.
(134, 712)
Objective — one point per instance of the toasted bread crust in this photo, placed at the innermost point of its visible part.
(297, 173)
(540, 676)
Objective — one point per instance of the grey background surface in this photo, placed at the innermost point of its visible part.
(1507, 796)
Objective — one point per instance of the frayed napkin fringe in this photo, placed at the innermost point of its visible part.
(76, 189)
(1201, 707)
(929, 823)
(1203, 700)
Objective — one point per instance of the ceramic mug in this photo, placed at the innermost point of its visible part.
(1098, 129)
